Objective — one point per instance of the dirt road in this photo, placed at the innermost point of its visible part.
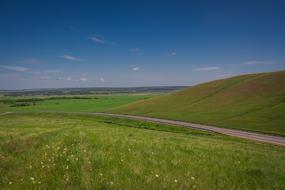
(231, 132)
(5, 113)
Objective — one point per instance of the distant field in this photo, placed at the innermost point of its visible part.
(254, 102)
(69, 151)
(91, 91)
(69, 103)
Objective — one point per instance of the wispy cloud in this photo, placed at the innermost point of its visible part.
(66, 79)
(83, 79)
(70, 58)
(102, 79)
(135, 69)
(207, 69)
(8, 75)
(44, 78)
(172, 54)
(255, 62)
(15, 68)
(53, 71)
(135, 50)
(33, 61)
(100, 41)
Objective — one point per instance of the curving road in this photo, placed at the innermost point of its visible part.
(231, 132)
(276, 140)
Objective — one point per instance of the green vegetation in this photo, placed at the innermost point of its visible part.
(73, 151)
(254, 102)
(69, 103)
(41, 149)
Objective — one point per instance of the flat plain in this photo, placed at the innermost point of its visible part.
(88, 103)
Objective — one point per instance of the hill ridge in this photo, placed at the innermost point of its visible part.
(250, 102)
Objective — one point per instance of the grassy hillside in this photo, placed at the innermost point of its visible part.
(69, 151)
(251, 102)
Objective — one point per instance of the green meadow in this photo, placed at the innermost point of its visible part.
(51, 142)
(73, 151)
(97, 103)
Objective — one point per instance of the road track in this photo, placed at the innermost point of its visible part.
(271, 139)
(277, 140)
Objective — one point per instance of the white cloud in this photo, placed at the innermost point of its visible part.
(102, 79)
(69, 79)
(70, 58)
(60, 78)
(207, 69)
(172, 54)
(44, 78)
(53, 71)
(15, 68)
(83, 79)
(254, 62)
(100, 41)
(135, 69)
(135, 50)
(95, 39)
(30, 61)
(8, 75)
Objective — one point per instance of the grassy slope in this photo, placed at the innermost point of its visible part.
(251, 102)
(101, 103)
(48, 151)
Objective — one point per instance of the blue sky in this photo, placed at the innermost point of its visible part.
(52, 44)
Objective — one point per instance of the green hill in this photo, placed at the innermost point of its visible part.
(254, 102)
